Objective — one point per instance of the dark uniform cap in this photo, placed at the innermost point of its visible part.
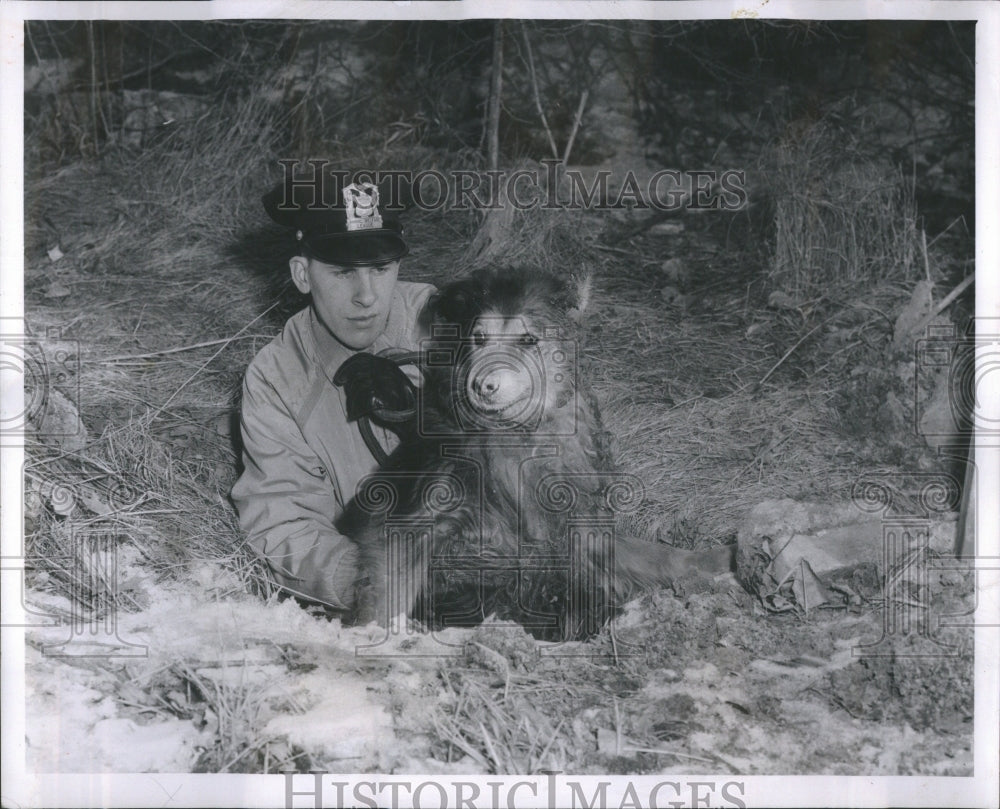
(337, 223)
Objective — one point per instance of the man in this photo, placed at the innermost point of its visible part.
(303, 459)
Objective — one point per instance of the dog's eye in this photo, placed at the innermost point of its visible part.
(528, 340)
(478, 338)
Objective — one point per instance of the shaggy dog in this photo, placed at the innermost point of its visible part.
(501, 497)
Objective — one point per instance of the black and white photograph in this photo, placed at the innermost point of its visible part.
(460, 405)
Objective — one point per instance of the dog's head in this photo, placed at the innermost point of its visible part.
(509, 347)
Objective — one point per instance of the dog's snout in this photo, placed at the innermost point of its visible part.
(487, 385)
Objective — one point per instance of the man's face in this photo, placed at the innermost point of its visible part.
(351, 302)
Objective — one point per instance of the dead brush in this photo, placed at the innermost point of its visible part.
(194, 520)
(154, 232)
(552, 240)
(842, 220)
(503, 728)
(129, 501)
(235, 709)
(680, 405)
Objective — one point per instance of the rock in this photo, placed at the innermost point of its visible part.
(937, 419)
(224, 423)
(57, 290)
(892, 414)
(607, 742)
(59, 423)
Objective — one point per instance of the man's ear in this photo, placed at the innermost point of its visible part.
(298, 266)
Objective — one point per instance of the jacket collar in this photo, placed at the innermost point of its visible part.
(330, 353)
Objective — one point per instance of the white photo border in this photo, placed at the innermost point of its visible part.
(22, 788)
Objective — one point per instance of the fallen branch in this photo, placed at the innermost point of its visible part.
(945, 303)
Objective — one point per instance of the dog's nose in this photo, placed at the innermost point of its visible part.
(487, 385)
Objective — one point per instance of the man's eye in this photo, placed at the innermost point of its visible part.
(528, 340)
(478, 338)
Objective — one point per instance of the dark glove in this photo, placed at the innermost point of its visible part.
(376, 388)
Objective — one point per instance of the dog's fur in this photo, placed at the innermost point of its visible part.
(506, 437)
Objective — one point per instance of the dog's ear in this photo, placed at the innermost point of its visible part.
(457, 304)
(567, 294)
(560, 293)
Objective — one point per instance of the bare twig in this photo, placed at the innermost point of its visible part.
(618, 727)
(93, 89)
(576, 125)
(534, 87)
(790, 351)
(490, 749)
(176, 349)
(662, 751)
(927, 263)
(552, 738)
(943, 232)
(207, 362)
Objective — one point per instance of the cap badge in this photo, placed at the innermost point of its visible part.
(361, 201)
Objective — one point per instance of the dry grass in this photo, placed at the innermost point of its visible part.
(504, 730)
(235, 712)
(842, 219)
(677, 396)
(171, 266)
(558, 241)
(151, 264)
(133, 498)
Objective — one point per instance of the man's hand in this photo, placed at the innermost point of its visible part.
(376, 388)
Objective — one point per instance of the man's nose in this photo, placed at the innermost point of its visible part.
(364, 291)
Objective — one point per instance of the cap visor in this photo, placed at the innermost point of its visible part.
(357, 249)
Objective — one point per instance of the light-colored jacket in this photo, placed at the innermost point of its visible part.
(302, 459)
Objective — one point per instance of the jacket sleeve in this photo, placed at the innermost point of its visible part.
(287, 503)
